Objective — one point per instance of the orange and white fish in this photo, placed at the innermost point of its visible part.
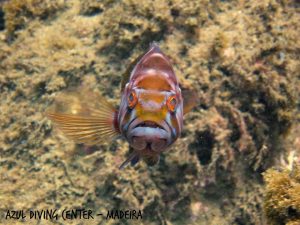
(150, 116)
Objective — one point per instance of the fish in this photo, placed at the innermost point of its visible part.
(149, 117)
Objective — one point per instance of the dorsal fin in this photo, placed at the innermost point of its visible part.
(152, 59)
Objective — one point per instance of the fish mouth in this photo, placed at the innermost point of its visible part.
(149, 135)
(149, 123)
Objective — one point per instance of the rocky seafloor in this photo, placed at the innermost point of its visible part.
(242, 57)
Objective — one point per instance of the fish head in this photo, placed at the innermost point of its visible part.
(151, 109)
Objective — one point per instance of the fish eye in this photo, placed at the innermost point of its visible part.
(172, 103)
(132, 99)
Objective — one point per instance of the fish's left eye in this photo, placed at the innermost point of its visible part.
(172, 103)
(132, 99)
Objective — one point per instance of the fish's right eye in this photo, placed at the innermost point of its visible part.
(132, 99)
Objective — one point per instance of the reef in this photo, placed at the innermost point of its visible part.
(17, 13)
(241, 56)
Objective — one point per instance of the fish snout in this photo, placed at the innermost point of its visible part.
(154, 144)
(149, 135)
(151, 106)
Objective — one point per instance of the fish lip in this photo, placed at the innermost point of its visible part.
(138, 124)
(149, 123)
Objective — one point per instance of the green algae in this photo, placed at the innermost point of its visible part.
(243, 58)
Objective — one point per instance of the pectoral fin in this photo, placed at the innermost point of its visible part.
(132, 159)
(190, 99)
(83, 121)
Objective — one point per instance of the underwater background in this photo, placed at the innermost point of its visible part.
(237, 161)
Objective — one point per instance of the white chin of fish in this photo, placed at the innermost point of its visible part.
(156, 137)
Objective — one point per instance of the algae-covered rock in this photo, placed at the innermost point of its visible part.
(241, 56)
(282, 200)
(17, 12)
